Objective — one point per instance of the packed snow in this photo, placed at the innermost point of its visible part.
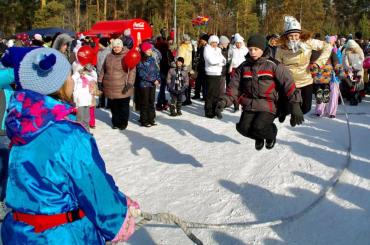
(202, 170)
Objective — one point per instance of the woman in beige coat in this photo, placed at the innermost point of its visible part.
(118, 85)
(295, 52)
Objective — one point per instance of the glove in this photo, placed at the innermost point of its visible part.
(100, 86)
(221, 104)
(128, 227)
(126, 88)
(297, 115)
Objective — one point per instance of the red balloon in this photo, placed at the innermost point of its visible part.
(85, 55)
(131, 59)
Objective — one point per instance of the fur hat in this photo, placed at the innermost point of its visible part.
(213, 39)
(291, 25)
(43, 70)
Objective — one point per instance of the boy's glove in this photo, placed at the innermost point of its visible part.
(221, 104)
(296, 115)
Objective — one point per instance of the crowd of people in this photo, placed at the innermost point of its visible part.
(50, 88)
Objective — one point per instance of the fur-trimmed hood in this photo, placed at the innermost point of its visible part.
(283, 40)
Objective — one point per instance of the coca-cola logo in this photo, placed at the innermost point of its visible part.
(138, 25)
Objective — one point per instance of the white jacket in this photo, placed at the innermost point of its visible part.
(214, 60)
(82, 95)
(236, 56)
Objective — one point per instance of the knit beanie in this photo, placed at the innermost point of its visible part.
(204, 37)
(258, 41)
(224, 40)
(181, 59)
(146, 46)
(117, 43)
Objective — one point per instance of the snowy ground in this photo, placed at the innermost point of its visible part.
(204, 171)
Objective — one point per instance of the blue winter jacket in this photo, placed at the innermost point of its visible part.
(55, 167)
(148, 72)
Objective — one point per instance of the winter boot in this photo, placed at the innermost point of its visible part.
(236, 107)
(172, 111)
(178, 108)
(319, 96)
(326, 96)
(259, 144)
(270, 144)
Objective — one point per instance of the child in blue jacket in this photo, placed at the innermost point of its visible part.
(58, 187)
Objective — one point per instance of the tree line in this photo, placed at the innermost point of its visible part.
(226, 16)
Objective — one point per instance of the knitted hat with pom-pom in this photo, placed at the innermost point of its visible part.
(44, 70)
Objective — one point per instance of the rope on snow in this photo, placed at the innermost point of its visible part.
(167, 218)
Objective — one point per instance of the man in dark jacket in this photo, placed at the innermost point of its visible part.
(201, 77)
(255, 85)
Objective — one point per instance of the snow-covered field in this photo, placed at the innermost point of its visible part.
(204, 171)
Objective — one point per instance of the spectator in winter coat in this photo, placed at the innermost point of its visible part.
(186, 52)
(214, 61)
(64, 195)
(104, 50)
(85, 78)
(353, 59)
(117, 85)
(127, 39)
(273, 43)
(201, 73)
(323, 70)
(148, 78)
(236, 56)
(224, 46)
(62, 43)
(237, 53)
(167, 58)
(255, 84)
(177, 82)
(295, 53)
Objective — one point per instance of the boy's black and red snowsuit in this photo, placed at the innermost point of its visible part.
(256, 85)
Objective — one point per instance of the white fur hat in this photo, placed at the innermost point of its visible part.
(213, 39)
(291, 25)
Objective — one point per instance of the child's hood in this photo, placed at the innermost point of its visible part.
(30, 113)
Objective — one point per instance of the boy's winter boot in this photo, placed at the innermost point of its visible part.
(178, 108)
(270, 144)
(259, 144)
